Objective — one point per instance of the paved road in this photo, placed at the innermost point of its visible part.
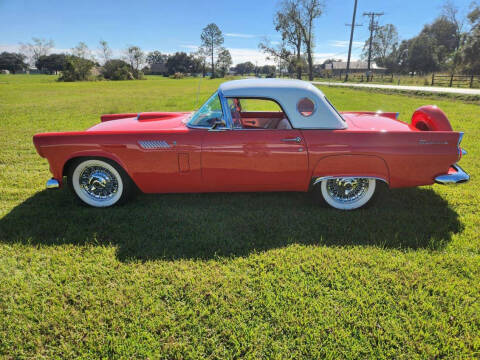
(405, 88)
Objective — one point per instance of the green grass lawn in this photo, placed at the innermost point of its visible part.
(228, 275)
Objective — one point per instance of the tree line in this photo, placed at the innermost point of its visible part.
(77, 65)
(451, 43)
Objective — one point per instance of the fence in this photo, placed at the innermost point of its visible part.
(456, 80)
(362, 77)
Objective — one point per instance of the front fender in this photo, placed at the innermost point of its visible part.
(95, 153)
(352, 166)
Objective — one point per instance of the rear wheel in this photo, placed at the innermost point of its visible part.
(347, 193)
(99, 182)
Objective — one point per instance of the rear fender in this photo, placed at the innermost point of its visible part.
(352, 166)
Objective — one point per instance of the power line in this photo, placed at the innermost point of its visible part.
(372, 27)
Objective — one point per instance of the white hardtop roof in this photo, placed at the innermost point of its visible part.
(247, 84)
(288, 93)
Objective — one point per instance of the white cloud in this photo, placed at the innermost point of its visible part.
(237, 35)
(240, 55)
(344, 44)
(189, 47)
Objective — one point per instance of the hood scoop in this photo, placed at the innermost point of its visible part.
(155, 116)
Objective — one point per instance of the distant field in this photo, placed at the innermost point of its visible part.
(228, 275)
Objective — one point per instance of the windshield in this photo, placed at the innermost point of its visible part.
(208, 113)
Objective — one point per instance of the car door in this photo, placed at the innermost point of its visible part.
(254, 160)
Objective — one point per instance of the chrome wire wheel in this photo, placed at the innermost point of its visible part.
(97, 183)
(348, 193)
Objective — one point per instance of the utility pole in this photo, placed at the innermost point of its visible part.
(373, 26)
(351, 38)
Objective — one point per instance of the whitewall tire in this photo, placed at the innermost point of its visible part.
(347, 193)
(98, 182)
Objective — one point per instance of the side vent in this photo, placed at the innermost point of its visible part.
(153, 144)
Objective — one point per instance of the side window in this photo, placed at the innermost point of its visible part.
(257, 114)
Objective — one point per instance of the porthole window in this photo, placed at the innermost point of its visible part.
(306, 107)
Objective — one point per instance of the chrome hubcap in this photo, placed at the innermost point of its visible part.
(347, 190)
(98, 183)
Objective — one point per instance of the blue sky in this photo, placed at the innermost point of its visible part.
(175, 25)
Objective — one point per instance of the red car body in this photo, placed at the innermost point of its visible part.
(188, 159)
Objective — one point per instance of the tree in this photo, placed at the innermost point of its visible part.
(443, 32)
(82, 51)
(135, 57)
(451, 13)
(156, 57)
(280, 53)
(52, 63)
(105, 51)
(422, 56)
(117, 70)
(39, 47)
(245, 68)
(212, 40)
(201, 56)
(76, 69)
(291, 34)
(384, 41)
(224, 61)
(268, 70)
(469, 56)
(181, 62)
(12, 62)
(303, 14)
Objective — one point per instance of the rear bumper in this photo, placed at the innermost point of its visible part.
(53, 184)
(455, 175)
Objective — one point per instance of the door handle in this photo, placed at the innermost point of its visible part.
(298, 139)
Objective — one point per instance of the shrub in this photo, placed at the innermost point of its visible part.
(177, 75)
(76, 69)
(117, 70)
(120, 70)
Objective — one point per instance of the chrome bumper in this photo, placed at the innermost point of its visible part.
(454, 178)
(53, 184)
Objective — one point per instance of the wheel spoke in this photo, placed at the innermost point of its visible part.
(98, 183)
(347, 190)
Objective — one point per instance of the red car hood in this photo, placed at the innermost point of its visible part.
(155, 121)
(371, 121)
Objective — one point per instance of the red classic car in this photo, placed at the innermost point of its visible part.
(231, 144)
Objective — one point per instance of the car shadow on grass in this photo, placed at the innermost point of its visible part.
(204, 226)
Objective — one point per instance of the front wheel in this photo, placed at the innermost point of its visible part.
(98, 182)
(347, 193)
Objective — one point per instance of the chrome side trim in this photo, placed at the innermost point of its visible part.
(318, 180)
(52, 184)
(451, 179)
(426, 142)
